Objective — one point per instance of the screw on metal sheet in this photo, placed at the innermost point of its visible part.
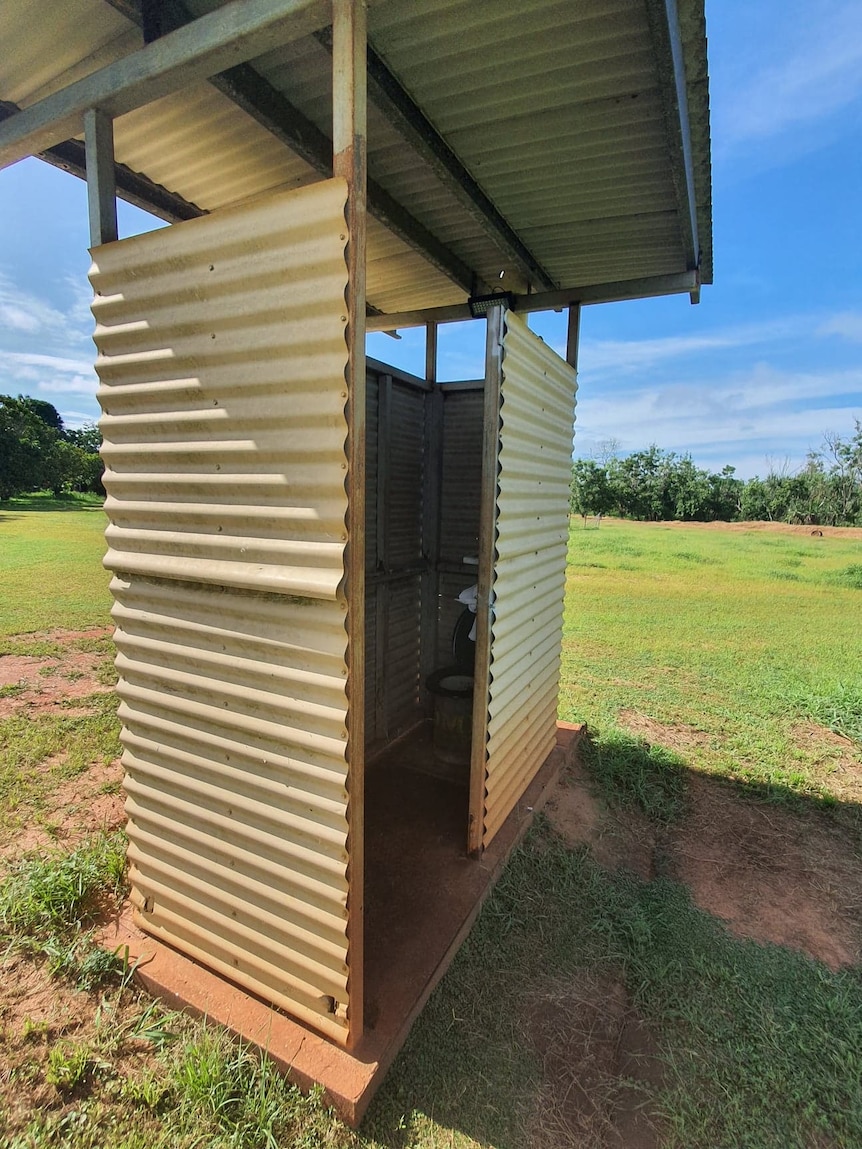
(344, 319)
(212, 267)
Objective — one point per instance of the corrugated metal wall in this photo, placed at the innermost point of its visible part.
(222, 360)
(395, 558)
(534, 464)
(460, 497)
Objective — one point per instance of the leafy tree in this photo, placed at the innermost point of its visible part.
(590, 491)
(88, 437)
(26, 443)
(46, 411)
(725, 495)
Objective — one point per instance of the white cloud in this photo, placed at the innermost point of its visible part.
(22, 313)
(846, 323)
(728, 420)
(638, 354)
(18, 318)
(77, 385)
(805, 68)
(27, 360)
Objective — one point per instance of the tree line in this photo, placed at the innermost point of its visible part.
(659, 485)
(38, 453)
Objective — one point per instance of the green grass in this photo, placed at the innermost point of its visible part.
(35, 755)
(760, 1046)
(633, 773)
(50, 902)
(702, 633)
(50, 565)
(700, 629)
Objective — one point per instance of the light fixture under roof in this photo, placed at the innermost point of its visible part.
(481, 304)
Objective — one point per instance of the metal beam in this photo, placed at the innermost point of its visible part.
(229, 35)
(679, 283)
(101, 186)
(268, 107)
(405, 115)
(668, 50)
(134, 188)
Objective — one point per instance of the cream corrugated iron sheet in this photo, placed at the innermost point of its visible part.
(534, 464)
(222, 361)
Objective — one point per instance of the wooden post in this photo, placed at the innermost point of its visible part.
(349, 160)
(432, 485)
(101, 182)
(573, 335)
(485, 577)
(383, 565)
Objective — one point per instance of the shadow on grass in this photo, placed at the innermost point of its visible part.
(44, 501)
(526, 1042)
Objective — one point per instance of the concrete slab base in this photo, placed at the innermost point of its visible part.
(423, 895)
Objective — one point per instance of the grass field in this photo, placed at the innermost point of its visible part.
(597, 1002)
(733, 635)
(51, 565)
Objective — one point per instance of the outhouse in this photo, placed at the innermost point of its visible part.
(327, 754)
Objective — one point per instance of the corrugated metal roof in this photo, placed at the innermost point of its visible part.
(553, 108)
(226, 501)
(537, 397)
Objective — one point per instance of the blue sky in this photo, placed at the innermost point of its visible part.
(754, 376)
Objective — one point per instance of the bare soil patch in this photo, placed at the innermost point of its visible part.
(599, 1064)
(39, 1014)
(673, 737)
(834, 757)
(78, 808)
(49, 683)
(771, 873)
(618, 839)
(806, 529)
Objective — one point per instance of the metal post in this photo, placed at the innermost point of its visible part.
(101, 181)
(485, 577)
(432, 481)
(349, 135)
(573, 335)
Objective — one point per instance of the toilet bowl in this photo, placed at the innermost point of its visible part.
(452, 688)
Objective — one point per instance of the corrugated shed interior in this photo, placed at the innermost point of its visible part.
(412, 586)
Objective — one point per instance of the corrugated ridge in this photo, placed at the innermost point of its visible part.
(222, 362)
(401, 667)
(460, 495)
(179, 315)
(534, 461)
(406, 478)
